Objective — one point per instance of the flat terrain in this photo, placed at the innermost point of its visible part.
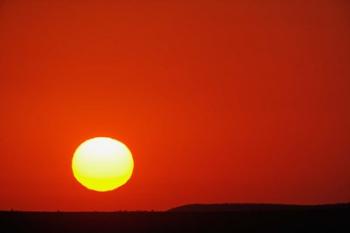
(189, 218)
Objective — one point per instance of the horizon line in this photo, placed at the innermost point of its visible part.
(179, 206)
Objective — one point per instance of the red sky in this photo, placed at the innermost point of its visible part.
(219, 101)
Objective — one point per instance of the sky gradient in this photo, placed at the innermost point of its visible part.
(219, 101)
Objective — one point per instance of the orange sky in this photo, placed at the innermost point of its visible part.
(219, 101)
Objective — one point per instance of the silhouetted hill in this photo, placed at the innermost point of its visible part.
(228, 207)
(216, 218)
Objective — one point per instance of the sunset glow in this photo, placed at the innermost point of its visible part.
(218, 101)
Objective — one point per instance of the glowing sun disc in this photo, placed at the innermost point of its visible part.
(102, 164)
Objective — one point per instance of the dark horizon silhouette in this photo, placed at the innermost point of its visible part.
(207, 207)
(187, 218)
(232, 207)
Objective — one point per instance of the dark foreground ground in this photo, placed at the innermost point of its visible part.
(190, 218)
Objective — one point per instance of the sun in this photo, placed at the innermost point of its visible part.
(102, 164)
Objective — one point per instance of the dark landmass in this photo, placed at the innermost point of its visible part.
(229, 207)
(186, 219)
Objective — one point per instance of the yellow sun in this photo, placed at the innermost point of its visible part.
(102, 164)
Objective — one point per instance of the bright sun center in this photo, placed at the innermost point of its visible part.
(102, 164)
